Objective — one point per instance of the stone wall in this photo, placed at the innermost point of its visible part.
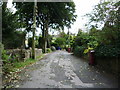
(38, 52)
(23, 54)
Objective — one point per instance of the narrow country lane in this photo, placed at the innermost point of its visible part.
(61, 69)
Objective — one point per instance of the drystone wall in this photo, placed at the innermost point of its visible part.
(23, 54)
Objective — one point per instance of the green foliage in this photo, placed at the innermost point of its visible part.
(107, 51)
(5, 57)
(85, 39)
(11, 64)
(54, 15)
(67, 39)
(48, 50)
(22, 64)
(108, 36)
(84, 43)
(37, 42)
(7, 68)
(107, 14)
(78, 51)
(9, 25)
(54, 44)
(9, 22)
(9, 58)
(39, 57)
(12, 67)
(105, 41)
(100, 14)
(92, 43)
(60, 42)
(10, 42)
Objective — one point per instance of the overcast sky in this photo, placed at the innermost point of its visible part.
(82, 7)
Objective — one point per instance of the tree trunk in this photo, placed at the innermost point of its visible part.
(46, 33)
(45, 36)
(34, 24)
(49, 43)
(23, 43)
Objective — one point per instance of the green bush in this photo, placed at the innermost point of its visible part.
(107, 51)
(78, 50)
(48, 50)
(54, 44)
(5, 57)
(9, 58)
(60, 42)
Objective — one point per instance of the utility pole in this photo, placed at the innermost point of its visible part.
(68, 38)
(69, 49)
(34, 29)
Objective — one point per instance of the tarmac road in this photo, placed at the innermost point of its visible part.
(61, 69)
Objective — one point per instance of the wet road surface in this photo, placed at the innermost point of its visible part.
(61, 69)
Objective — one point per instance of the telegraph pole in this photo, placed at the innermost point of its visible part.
(34, 29)
(69, 49)
(68, 38)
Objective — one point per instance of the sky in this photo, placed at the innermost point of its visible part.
(82, 7)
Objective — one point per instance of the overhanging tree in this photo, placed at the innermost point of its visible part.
(54, 15)
(10, 24)
(106, 14)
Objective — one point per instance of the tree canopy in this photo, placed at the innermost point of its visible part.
(58, 14)
(10, 24)
(103, 14)
(49, 14)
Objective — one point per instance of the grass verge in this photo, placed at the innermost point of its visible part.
(11, 70)
(12, 67)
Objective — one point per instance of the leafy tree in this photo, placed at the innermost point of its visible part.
(54, 15)
(106, 13)
(9, 33)
(108, 37)
(60, 42)
(84, 42)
